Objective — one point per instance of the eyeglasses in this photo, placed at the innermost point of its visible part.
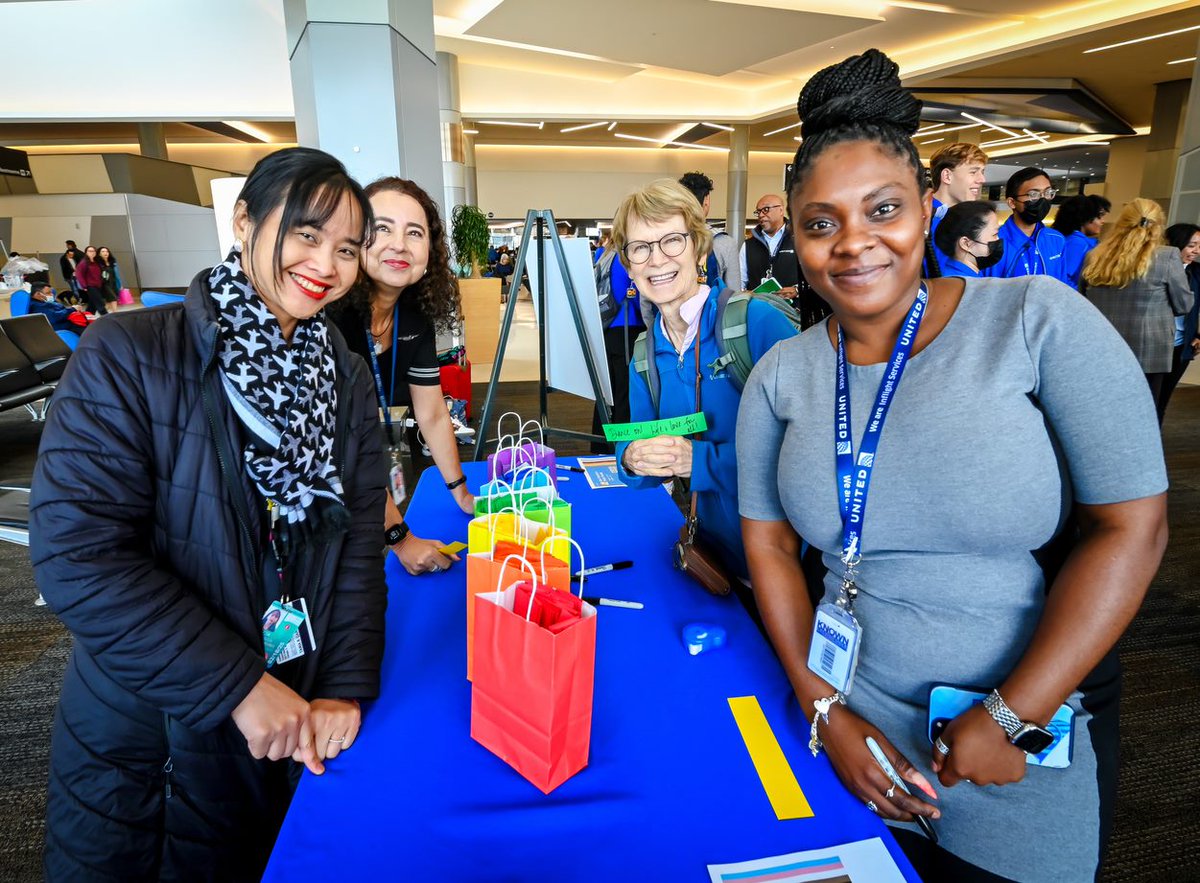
(1035, 195)
(672, 246)
(766, 209)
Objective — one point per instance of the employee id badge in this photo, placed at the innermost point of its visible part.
(281, 624)
(396, 485)
(833, 652)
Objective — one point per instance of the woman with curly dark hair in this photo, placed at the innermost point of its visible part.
(407, 293)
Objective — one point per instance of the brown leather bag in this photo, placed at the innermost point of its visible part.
(693, 556)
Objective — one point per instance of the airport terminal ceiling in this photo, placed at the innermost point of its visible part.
(622, 74)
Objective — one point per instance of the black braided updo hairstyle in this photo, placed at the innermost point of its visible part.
(859, 99)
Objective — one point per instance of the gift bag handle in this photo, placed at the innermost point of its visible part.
(493, 518)
(491, 497)
(527, 469)
(578, 548)
(549, 509)
(541, 431)
(525, 565)
(500, 422)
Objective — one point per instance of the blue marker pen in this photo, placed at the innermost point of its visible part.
(890, 772)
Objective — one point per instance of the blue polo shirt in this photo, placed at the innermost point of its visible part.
(1077, 247)
(1037, 255)
(951, 267)
(944, 260)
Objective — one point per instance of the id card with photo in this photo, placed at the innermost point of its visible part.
(833, 651)
(281, 625)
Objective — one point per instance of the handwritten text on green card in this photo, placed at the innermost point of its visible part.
(685, 425)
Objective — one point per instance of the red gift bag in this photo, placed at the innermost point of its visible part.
(531, 699)
(503, 566)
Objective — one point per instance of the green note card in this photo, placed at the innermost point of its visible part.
(685, 425)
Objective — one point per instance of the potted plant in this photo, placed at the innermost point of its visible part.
(471, 237)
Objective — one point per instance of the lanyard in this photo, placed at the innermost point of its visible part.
(1037, 256)
(384, 403)
(854, 476)
(280, 548)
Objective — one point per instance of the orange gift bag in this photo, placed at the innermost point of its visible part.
(535, 661)
(502, 565)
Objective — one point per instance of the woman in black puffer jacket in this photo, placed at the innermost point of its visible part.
(204, 465)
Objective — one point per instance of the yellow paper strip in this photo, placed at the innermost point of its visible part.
(777, 777)
(452, 548)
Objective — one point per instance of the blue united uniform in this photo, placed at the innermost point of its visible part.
(951, 267)
(1037, 255)
(939, 212)
(1075, 251)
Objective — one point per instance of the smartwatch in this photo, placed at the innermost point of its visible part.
(451, 485)
(395, 534)
(1028, 736)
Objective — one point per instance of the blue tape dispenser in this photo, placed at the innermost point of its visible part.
(700, 637)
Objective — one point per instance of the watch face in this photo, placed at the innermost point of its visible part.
(1033, 740)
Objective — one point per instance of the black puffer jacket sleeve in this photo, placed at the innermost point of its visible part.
(353, 651)
(91, 519)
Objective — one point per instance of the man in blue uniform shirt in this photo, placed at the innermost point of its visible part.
(1030, 247)
(957, 172)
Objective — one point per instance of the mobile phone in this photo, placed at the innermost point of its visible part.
(947, 702)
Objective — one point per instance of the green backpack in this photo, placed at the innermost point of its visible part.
(733, 339)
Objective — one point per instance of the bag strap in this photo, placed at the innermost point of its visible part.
(645, 364)
(691, 521)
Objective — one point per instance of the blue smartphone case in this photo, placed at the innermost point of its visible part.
(947, 703)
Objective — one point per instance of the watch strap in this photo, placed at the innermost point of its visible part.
(395, 534)
(451, 485)
(1002, 714)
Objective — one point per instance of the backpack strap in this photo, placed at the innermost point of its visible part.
(646, 367)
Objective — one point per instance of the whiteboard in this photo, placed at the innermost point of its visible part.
(566, 368)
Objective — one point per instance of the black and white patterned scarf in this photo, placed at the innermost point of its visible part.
(286, 395)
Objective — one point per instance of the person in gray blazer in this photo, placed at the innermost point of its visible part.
(1137, 281)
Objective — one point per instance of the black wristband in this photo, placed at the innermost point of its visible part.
(451, 485)
(395, 534)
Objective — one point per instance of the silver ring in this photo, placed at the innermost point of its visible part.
(941, 746)
(891, 792)
(872, 807)
(338, 741)
(436, 569)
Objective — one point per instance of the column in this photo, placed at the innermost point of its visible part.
(454, 168)
(472, 174)
(152, 142)
(739, 173)
(1185, 194)
(1163, 143)
(365, 86)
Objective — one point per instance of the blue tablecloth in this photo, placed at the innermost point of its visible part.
(669, 788)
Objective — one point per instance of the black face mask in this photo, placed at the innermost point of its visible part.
(995, 253)
(1035, 210)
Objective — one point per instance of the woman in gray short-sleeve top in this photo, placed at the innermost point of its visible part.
(1015, 515)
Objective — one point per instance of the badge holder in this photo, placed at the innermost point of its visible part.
(837, 635)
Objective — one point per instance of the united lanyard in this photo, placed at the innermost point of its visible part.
(396, 473)
(385, 403)
(833, 651)
(1037, 257)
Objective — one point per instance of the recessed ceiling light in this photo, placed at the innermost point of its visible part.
(1182, 60)
(718, 126)
(934, 141)
(611, 126)
(662, 143)
(580, 128)
(1142, 39)
(976, 119)
(777, 131)
(513, 123)
(470, 131)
